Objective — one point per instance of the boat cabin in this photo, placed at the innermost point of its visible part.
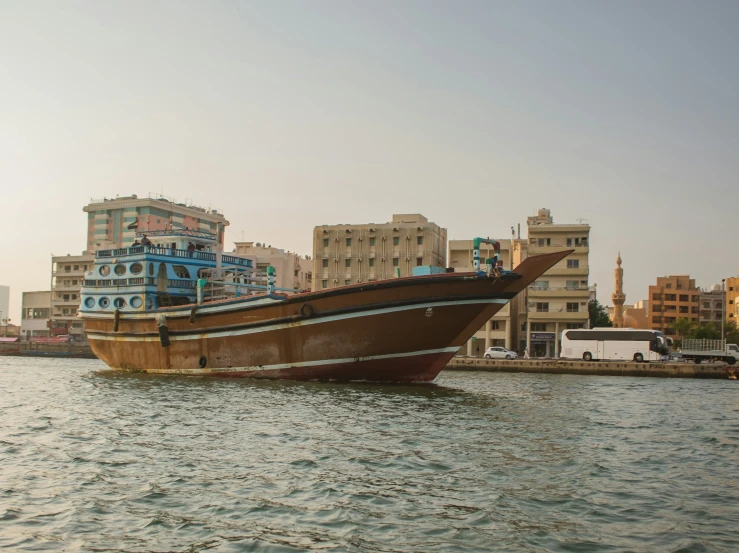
(160, 269)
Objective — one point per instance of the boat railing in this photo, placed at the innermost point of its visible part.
(172, 252)
(179, 232)
(108, 282)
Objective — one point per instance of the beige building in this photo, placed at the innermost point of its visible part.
(349, 254)
(498, 331)
(35, 314)
(291, 270)
(67, 274)
(558, 300)
(712, 306)
(671, 298)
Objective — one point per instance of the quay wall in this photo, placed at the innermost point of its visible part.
(31, 349)
(597, 368)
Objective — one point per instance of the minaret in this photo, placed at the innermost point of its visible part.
(618, 295)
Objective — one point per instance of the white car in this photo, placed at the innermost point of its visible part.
(500, 353)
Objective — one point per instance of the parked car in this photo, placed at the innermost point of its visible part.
(500, 353)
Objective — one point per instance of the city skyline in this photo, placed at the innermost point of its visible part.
(288, 116)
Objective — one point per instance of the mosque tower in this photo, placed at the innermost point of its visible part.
(618, 296)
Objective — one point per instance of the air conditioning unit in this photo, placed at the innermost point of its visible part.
(359, 280)
(407, 258)
(384, 238)
(359, 259)
(407, 237)
(336, 239)
(382, 258)
(336, 280)
(360, 238)
(336, 259)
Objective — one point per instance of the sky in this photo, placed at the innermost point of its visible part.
(288, 114)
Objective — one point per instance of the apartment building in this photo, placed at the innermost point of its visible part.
(349, 254)
(732, 299)
(712, 306)
(558, 300)
(671, 298)
(67, 274)
(291, 270)
(35, 314)
(113, 222)
(498, 331)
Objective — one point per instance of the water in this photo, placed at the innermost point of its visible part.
(96, 461)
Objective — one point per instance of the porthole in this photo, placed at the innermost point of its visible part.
(119, 303)
(90, 303)
(120, 270)
(104, 302)
(136, 268)
(105, 270)
(136, 302)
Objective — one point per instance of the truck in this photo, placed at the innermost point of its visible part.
(710, 350)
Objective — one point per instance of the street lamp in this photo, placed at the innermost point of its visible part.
(723, 306)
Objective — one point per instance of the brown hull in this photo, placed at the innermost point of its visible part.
(402, 330)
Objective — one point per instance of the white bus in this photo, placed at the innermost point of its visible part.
(628, 344)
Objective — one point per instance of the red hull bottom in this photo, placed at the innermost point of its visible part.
(419, 368)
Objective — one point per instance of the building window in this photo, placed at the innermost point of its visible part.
(542, 307)
(372, 241)
(372, 262)
(538, 327)
(657, 308)
(656, 297)
(575, 325)
(545, 241)
(348, 241)
(325, 242)
(573, 307)
(76, 267)
(347, 282)
(542, 285)
(572, 285)
(683, 309)
(419, 261)
(573, 263)
(324, 283)
(348, 262)
(731, 302)
(325, 262)
(395, 261)
(694, 299)
(670, 297)
(657, 319)
(668, 285)
(684, 297)
(419, 240)
(396, 241)
(706, 305)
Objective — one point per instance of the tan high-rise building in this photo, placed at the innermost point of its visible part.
(732, 299)
(114, 222)
(498, 331)
(558, 300)
(292, 271)
(618, 296)
(67, 274)
(672, 298)
(349, 254)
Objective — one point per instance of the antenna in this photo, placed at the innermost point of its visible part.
(581, 221)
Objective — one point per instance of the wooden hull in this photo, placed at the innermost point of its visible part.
(401, 330)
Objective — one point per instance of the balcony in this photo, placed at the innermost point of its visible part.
(561, 269)
(563, 291)
(535, 249)
(562, 316)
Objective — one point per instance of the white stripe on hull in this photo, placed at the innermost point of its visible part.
(300, 364)
(198, 334)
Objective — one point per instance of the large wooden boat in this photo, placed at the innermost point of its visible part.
(164, 308)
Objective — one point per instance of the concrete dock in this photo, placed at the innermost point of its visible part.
(598, 368)
(33, 349)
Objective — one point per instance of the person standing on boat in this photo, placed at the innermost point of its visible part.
(145, 241)
(190, 248)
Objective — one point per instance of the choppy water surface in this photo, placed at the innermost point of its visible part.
(95, 461)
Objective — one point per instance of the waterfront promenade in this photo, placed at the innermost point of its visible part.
(593, 368)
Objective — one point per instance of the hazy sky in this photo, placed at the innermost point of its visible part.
(288, 115)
